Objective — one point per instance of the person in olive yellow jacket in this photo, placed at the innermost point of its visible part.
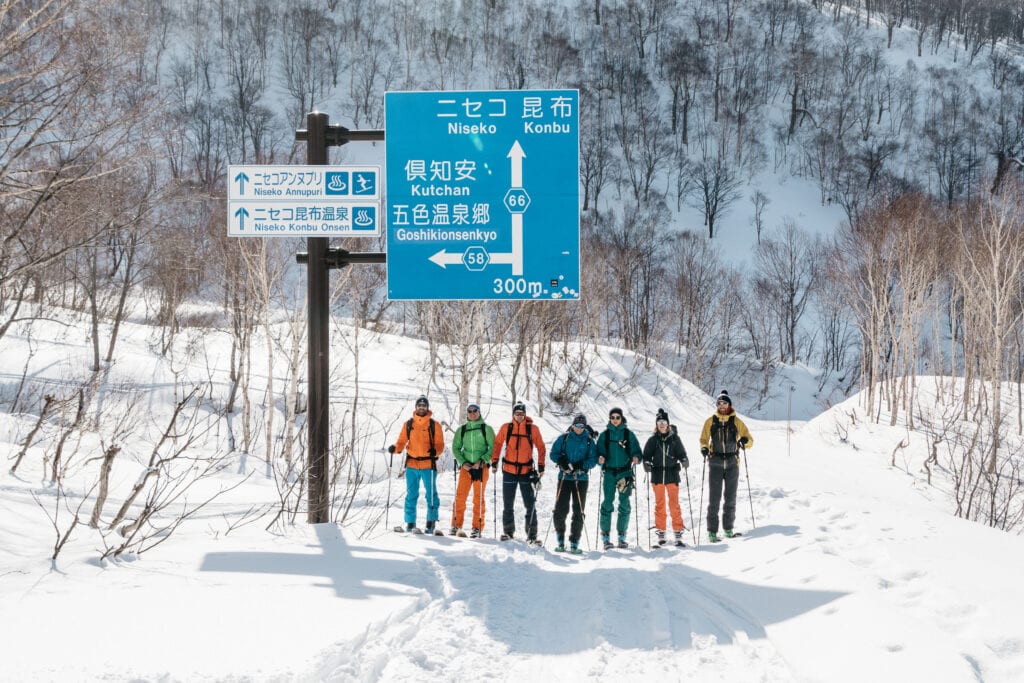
(422, 439)
(519, 438)
(720, 441)
(471, 446)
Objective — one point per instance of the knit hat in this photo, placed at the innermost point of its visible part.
(662, 415)
(616, 411)
(519, 406)
(472, 406)
(580, 419)
(422, 401)
(724, 396)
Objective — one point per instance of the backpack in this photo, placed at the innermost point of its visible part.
(463, 430)
(430, 431)
(724, 434)
(529, 433)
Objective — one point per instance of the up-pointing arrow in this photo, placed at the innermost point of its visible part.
(241, 179)
(516, 154)
(241, 214)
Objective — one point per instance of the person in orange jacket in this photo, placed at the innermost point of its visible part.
(519, 438)
(422, 439)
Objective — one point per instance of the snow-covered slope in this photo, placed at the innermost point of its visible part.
(849, 570)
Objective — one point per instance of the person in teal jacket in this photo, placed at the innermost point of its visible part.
(472, 447)
(575, 454)
(618, 452)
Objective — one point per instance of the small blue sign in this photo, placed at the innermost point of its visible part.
(364, 184)
(364, 218)
(483, 194)
(336, 183)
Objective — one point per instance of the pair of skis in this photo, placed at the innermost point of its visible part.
(416, 531)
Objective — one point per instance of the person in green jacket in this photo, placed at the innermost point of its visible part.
(472, 447)
(618, 451)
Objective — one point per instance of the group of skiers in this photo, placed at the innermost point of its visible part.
(479, 450)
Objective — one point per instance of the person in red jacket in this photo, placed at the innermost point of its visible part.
(519, 438)
(422, 439)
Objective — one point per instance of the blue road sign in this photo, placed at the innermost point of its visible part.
(483, 194)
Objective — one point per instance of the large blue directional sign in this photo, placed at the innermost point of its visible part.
(483, 194)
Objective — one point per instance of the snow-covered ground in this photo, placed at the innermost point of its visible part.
(850, 570)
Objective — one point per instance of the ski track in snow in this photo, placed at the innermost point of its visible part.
(666, 621)
(490, 610)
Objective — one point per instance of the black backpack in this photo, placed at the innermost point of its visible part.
(723, 435)
(430, 431)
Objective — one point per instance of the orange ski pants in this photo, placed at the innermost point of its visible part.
(479, 489)
(671, 491)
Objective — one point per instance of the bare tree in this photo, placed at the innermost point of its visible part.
(787, 271)
(716, 185)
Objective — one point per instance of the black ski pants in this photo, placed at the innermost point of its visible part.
(509, 484)
(722, 469)
(574, 493)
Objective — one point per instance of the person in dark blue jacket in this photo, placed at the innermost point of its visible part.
(575, 454)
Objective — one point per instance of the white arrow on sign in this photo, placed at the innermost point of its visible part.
(516, 154)
(444, 259)
(515, 258)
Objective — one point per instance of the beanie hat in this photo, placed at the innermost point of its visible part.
(422, 401)
(472, 406)
(662, 415)
(580, 419)
(724, 396)
(519, 406)
(616, 411)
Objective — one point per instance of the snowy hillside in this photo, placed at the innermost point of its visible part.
(850, 570)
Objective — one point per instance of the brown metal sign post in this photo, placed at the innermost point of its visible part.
(319, 258)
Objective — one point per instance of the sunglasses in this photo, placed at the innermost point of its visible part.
(615, 417)
(519, 413)
(722, 403)
(663, 422)
(579, 425)
(472, 410)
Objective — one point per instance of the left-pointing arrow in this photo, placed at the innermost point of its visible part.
(444, 259)
(241, 215)
(241, 179)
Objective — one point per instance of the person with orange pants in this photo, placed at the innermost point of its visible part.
(471, 447)
(422, 439)
(664, 456)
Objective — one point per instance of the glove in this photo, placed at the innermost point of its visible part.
(569, 467)
(705, 452)
(391, 449)
(494, 466)
(647, 466)
(624, 485)
(744, 441)
(684, 462)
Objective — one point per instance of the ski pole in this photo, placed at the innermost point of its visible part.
(636, 510)
(600, 490)
(689, 502)
(455, 483)
(558, 494)
(647, 481)
(387, 510)
(700, 506)
(749, 495)
(583, 512)
(494, 507)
